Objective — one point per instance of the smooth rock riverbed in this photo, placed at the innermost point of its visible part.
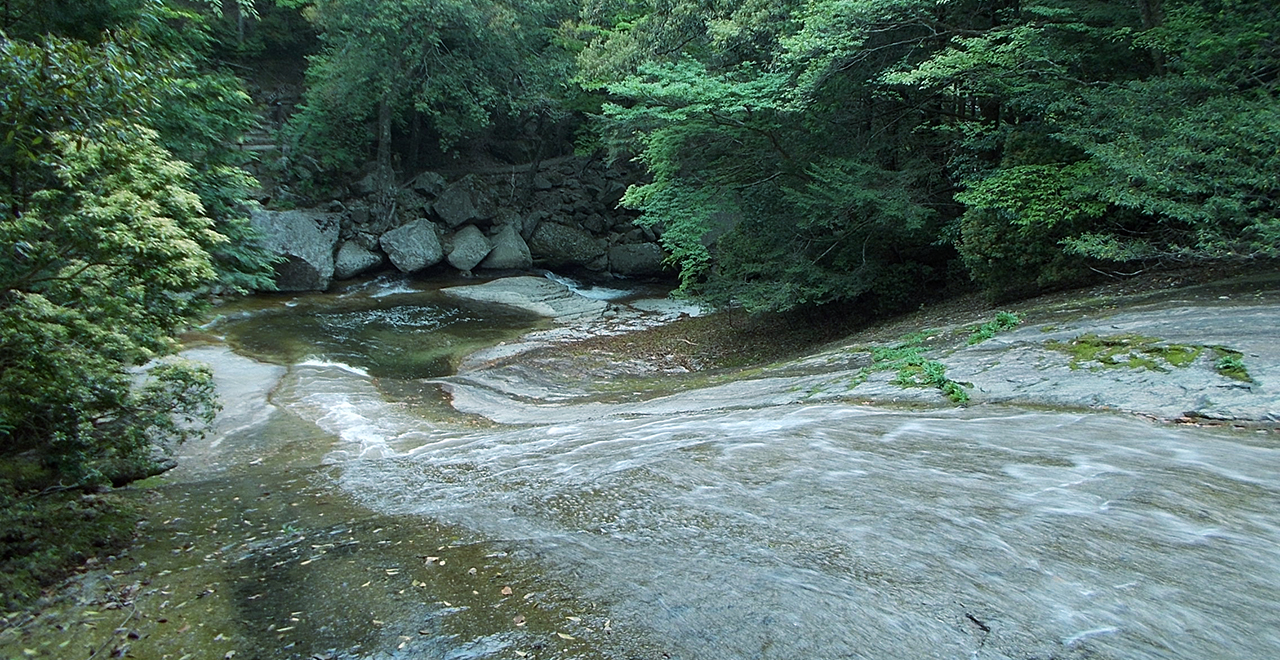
(355, 505)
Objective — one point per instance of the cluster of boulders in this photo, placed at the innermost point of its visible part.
(563, 215)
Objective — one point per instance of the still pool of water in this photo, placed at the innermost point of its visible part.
(344, 510)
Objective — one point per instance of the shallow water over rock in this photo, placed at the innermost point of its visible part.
(840, 531)
(346, 509)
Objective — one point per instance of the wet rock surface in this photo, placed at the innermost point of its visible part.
(600, 505)
(1024, 366)
(1030, 365)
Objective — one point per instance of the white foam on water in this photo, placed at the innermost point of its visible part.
(320, 363)
(1086, 634)
(394, 289)
(591, 292)
(743, 520)
(342, 400)
(381, 287)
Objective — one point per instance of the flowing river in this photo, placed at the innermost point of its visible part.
(344, 509)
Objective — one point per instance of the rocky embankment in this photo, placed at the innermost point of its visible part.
(1208, 353)
(561, 214)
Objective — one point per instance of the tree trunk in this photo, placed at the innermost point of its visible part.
(1152, 13)
(386, 175)
(415, 143)
(535, 159)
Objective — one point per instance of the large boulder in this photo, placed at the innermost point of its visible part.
(636, 259)
(429, 184)
(306, 240)
(413, 246)
(367, 185)
(354, 259)
(470, 247)
(509, 252)
(456, 204)
(555, 245)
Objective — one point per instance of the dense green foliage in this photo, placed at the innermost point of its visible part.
(854, 150)
(120, 205)
(443, 68)
(842, 149)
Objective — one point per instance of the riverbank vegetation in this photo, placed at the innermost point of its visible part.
(121, 208)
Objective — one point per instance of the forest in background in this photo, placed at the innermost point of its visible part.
(875, 153)
(867, 151)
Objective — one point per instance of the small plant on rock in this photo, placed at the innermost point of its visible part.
(1002, 322)
(1231, 364)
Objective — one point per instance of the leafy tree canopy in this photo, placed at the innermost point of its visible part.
(455, 63)
(842, 149)
(120, 205)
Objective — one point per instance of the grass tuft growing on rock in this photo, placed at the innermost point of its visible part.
(1002, 322)
(1230, 363)
(913, 369)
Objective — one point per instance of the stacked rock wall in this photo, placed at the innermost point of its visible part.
(564, 215)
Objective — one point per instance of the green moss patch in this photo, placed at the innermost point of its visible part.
(1133, 351)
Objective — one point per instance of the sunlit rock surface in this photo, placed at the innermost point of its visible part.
(535, 294)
